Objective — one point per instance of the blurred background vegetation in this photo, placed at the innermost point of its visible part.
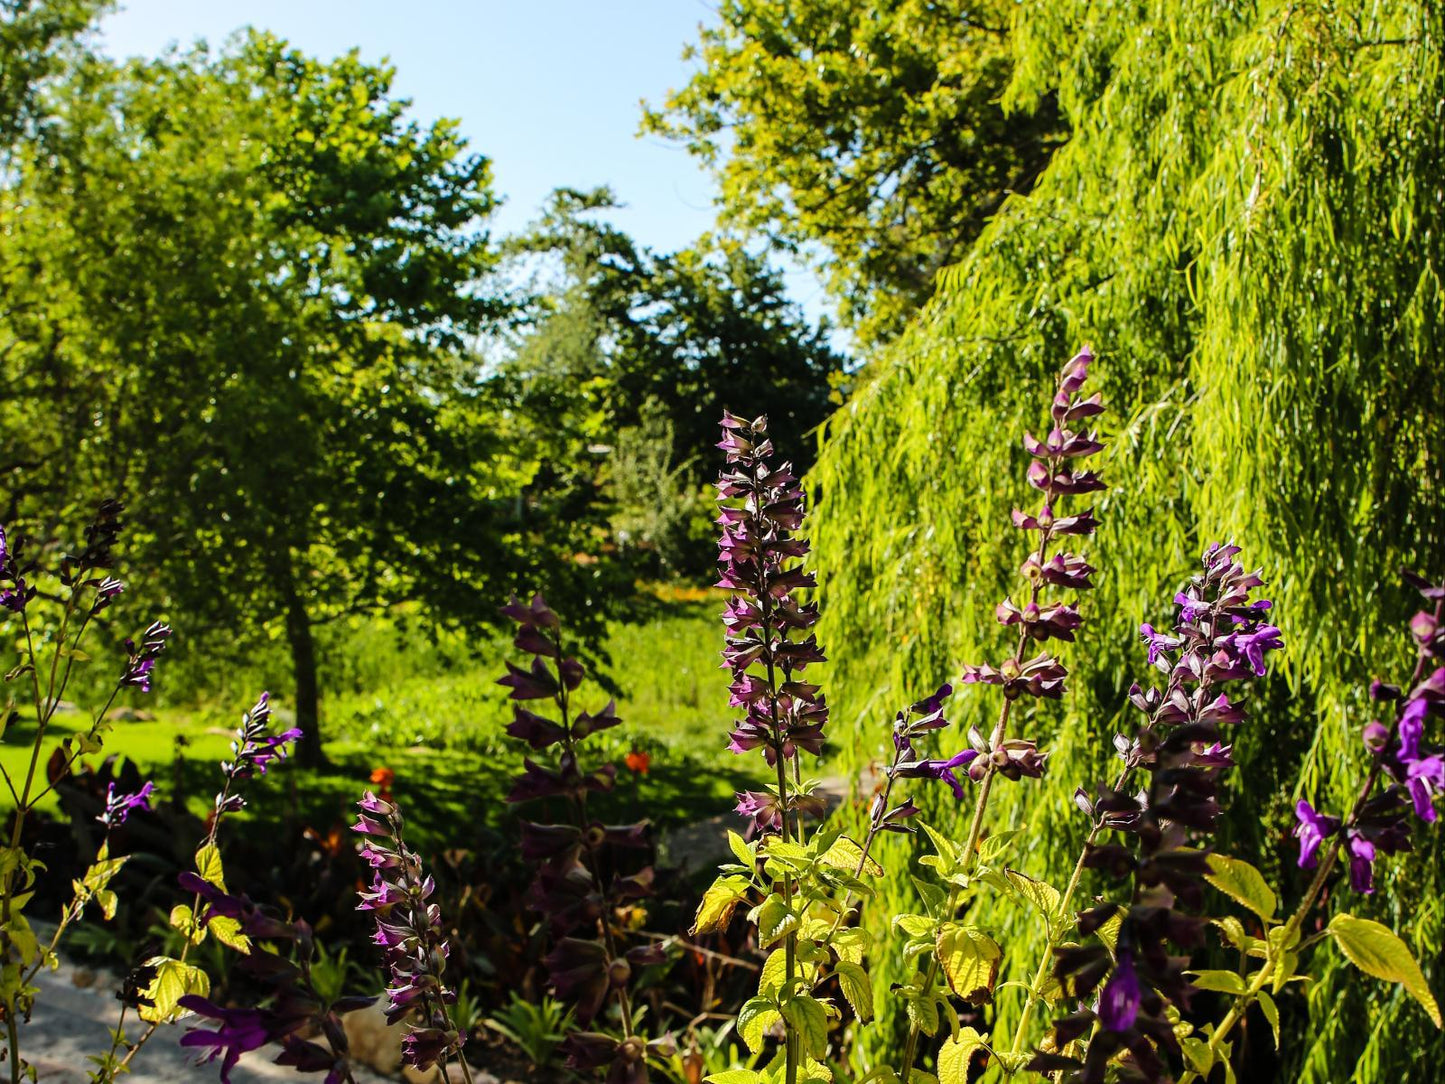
(244, 290)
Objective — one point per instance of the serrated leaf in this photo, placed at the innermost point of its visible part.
(183, 921)
(1242, 883)
(857, 988)
(922, 1014)
(173, 980)
(934, 897)
(775, 921)
(970, 960)
(947, 850)
(808, 1019)
(754, 1019)
(743, 851)
(1108, 931)
(1271, 1013)
(208, 866)
(955, 1054)
(735, 1076)
(1040, 895)
(1221, 982)
(227, 930)
(718, 903)
(915, 925)
(851, 943)
(774, 974)
(1377, 950)
(845, 854)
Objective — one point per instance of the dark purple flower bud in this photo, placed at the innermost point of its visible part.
(1362, 862)
(141, 660)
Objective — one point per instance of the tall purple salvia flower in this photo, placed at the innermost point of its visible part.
(579, 884)
(768, 646)
(409, 932)
(1056, 471)
(1411, 767)
(1221, 635)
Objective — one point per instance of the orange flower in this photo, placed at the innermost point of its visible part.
(383, 777)
(638, 762)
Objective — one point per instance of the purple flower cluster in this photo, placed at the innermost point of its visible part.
(141, 659)
(761, 557)
(579, 883)
(1415, 769)
(254, 748)
(1221, 635)
(120, 806)
(409, 932)
(14, 591)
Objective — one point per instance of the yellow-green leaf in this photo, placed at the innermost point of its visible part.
(173, 980)
(851, 943)
(1221, 982)
(846, 854)
(956, 1053)
(718, 903)
(1271, 1013)
(227, 930)
(1042, 896)
(208, 866)
(857, 988)
(808, 1019)
(1377, 951)
(743, 851)
(1243, 883)
(754, 1019)
(775, 921)
(969, 958)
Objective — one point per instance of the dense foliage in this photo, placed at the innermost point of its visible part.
(1249, 215)
(869, 136)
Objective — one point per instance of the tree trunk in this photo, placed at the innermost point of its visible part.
(303, 662)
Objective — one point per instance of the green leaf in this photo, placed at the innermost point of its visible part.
(956, 1053)
(1242, 883)
(183, 921)
(173, 980)
(1197, 1053)
(851, 943)
(227, 930)
(914, 925)
(745, 852)
(1377, 951)
(808, 1019)
(1221, 982)
(735, 1076)
(1042, 896)
(775, 921)
(846, 853)
(718, 903)
(970, 959)
(1109, 931)
(857, 988)
(754, 1019)
(922, 1014)
(933, 896)
(208, 866)
(947, 850)
(1271, 1013)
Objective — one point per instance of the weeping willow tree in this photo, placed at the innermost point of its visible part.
(1248, 224)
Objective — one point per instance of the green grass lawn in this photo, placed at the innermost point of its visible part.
(441, 729)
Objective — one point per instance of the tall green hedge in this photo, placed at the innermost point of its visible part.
(1248, 224)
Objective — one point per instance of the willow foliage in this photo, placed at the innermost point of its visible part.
(1247, 225)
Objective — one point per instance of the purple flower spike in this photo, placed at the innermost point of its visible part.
(760, 557)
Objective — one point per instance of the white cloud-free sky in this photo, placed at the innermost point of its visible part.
(547, 89)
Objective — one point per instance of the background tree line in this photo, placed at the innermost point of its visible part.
(246, 292)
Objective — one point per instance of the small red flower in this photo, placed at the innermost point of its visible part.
(638, 762)
(383, 778)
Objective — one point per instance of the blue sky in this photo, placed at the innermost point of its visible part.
(548, 89)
